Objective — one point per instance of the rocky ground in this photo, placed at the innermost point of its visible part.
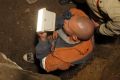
(17, 36)
(9, 70)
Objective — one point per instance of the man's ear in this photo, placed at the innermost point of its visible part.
(74, 37)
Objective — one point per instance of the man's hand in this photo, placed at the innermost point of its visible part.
(42, 36)
(53, 36)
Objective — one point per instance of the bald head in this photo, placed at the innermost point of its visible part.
(80, 25)
(83, 28)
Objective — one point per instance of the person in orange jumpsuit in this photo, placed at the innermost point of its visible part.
(70, 45)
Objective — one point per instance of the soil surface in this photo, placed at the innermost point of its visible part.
(18, 21)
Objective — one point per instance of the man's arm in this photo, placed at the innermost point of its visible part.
(112, 28)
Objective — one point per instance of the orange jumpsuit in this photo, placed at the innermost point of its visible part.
(62, 58)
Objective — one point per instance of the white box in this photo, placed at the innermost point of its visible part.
(46, 20)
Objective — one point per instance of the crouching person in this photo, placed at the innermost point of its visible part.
(67, 46)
